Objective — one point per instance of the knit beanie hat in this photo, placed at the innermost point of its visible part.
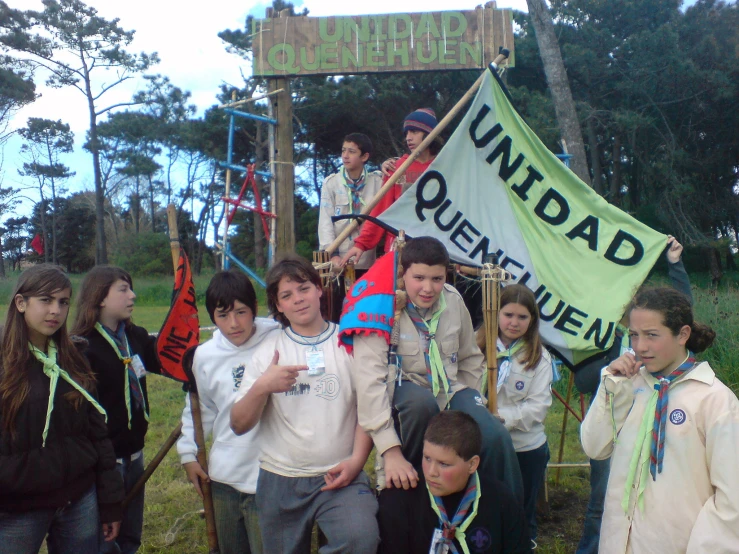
(423, 119)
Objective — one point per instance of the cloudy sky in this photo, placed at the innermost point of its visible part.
(192, 56)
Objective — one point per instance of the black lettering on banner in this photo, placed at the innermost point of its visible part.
(510, 261)
(621, 237)
(595, 330)
(481, 248)
(460, 230)
(545, 297)
(524, 278)
(552, 195)
(567, 319)
(523, 189)
(503, 149)
(190, 299)
(423, 203)
(587, 229)
(440, 212)
(487, 137)
(555, 313)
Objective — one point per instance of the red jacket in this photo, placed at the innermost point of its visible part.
(372, 234)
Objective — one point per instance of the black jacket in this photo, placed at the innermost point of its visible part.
(77, 454)
(407, 521)
(111, 376)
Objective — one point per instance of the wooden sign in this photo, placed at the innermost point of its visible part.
(349, 45)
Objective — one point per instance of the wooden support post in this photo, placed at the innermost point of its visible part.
(284, 169)
(197, 419)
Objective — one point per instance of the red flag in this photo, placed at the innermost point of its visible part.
(181, 328)
(38, 244)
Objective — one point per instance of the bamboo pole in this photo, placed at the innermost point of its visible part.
(197, 419)
(349, 229)
(492, 276)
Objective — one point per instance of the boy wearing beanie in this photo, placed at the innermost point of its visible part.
(416, 127)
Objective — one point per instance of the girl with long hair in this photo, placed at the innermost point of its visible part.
(57, 467)
(120, 354)
(524, 389)
(671, 429)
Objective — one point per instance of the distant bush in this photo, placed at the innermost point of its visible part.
(144, 254)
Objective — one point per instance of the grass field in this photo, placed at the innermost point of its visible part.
(172, 523)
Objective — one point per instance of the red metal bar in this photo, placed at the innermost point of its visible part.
(567, 406)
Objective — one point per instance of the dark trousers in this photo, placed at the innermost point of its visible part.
(129, 537)
(533, 464)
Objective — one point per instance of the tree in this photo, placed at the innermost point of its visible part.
(556, 74)
(16, 83)
(16, 238)
(46, 140)
(91, 46)
(8, 202)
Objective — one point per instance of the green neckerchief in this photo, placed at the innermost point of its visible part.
(435, 364)
(53, 372)
(511, 350)
(460, 531)
(640, 456)
(126, 363)
(502, 376)
(642, 447)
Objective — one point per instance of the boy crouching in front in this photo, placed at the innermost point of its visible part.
(455, 509)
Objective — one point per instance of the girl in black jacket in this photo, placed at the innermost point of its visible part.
(57, 467)
(120, 354)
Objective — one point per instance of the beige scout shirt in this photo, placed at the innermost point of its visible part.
(693, 506)
(524, 400)
(462, 360)
(336, 200)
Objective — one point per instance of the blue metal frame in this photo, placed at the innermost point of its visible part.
(236, 167)
(228, 256)
(243, 267)
(250, 116)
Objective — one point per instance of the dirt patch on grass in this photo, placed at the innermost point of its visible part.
(560, 524)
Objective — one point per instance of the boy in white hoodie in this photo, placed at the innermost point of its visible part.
(219, 366)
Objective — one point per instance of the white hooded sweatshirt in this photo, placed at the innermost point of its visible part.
(219, 368)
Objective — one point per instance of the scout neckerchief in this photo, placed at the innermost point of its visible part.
(435, 371)
(54, 372)
(652, 443)
(455, 529)
(504, 359)
(355, 186)
(133, 393)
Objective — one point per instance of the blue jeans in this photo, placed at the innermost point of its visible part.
(533, 465)
(236, 518)
(129, 537)
(414, 406)
(73, 529)
(599, 472)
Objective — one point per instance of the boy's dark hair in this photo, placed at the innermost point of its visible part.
(455, 430)
(424, 250)
(294, 268)
(225, 288)
(362, 141)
